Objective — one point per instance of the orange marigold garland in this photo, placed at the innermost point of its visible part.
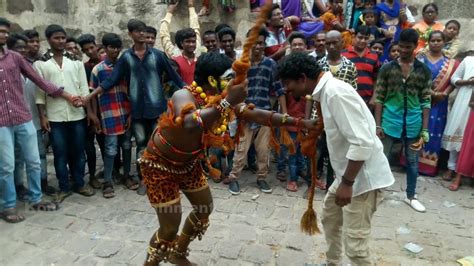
(309, 222)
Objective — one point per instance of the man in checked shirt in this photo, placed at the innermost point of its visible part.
(16, 126)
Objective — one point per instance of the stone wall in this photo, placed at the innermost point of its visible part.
(100, 16)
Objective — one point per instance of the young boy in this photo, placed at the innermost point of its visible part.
(150, 36)
(370, 20)
(66, 124)
(114, 108)
(90, 48)
(406, 120)
(209, 39)
(33, 45)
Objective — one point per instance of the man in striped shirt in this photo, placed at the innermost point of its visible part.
(16, 126)
(366, 63)
(262, 81)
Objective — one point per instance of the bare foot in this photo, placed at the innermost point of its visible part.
(456, 183)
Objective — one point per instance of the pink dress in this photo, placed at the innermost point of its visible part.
(465, 164)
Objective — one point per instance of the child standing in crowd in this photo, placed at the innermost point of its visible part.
(296, 107)
(392, 16)
(451, 32)
(377, 47)
(393, 52)
(90, 48)
(114, 108)
(366, 63)
(370, 20)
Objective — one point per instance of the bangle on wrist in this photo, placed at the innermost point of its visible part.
(378, 127)
(224, 107)
(347, 182)
(284, 118)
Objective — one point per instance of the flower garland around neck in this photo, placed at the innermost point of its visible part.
(203, 100)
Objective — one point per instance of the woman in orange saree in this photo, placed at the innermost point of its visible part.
(427, 25)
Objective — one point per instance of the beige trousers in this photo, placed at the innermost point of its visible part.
(260, 137)
(350, 225)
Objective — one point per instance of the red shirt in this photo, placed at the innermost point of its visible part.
(186, 68)
(296, 109)
(367, 67)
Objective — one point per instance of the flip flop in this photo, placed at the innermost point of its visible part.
(11, 216)
(44, 206)
(320, 184)
(131, 184)
(108, 191)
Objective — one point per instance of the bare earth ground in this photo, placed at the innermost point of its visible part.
(243, 231)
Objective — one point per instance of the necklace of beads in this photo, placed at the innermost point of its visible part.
(202, 99)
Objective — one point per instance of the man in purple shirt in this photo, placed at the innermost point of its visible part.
(16, 126)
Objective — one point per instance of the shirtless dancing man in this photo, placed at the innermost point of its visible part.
(171, 161)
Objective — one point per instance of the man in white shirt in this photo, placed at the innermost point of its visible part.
(65, 123)
(356, 155)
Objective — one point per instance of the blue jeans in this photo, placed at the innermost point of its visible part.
(219, 153)
(412, 161)
(19, 172)
(25, 135)
(142, 130)
(111, 144)
(68, 142)
(296, 162)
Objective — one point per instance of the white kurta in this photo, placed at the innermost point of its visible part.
(457, 118)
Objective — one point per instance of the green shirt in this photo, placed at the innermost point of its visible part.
(403, 100)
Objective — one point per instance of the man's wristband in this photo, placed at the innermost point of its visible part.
(347, 182)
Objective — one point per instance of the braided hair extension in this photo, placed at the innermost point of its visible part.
(242, 65)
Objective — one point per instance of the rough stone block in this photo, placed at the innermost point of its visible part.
(229, 249)
(298, 242)
(15, 7)
(80, 245)
(291, 257)
(217, 230)
(274, 225)
(258, 254)
(57, 6)
(271, 238)
(107, 248)
(243, 233)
